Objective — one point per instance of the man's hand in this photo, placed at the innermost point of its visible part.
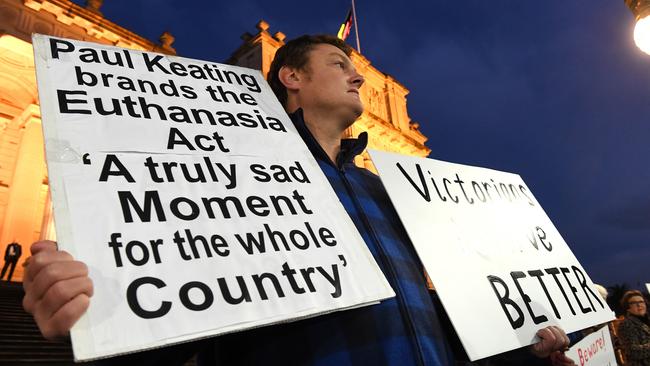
(552, 339)
(57, 289)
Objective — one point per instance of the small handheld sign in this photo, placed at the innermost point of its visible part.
(595, 349)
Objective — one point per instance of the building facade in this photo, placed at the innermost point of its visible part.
(25, 206)
(385, 117)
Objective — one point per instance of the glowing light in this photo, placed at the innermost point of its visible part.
(642, 34)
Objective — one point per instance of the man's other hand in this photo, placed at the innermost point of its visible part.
(552, 339)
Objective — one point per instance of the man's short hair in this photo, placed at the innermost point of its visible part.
(295, 54)
(626, 298)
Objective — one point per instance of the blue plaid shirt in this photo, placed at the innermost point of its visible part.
(399, 331)
(404, 330)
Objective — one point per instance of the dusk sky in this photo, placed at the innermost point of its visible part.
(555, 91)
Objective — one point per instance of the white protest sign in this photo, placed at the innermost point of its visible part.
(647, 286)
(190, 195)
(501, 268)
(595, 349)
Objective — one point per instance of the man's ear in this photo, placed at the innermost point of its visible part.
(290, 77)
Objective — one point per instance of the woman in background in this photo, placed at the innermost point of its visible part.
(634, 331)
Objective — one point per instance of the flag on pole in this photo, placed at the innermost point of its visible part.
(344, 29)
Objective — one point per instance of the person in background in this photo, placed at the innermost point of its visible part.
(12, 254)
(634, 330)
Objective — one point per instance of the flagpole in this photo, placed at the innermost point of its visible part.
(356, 28)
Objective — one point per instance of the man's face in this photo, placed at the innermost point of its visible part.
(331, 84)
(636, 306)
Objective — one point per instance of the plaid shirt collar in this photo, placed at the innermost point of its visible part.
(349, 147)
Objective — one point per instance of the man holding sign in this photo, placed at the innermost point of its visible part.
(315, 80)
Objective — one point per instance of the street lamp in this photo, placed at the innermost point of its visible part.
(641, 11)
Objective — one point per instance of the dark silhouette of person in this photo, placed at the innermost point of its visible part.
(12, 253)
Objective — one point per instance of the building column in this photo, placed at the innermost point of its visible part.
(47, 227)
(24, 209)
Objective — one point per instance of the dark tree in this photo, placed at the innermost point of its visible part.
(614, 297)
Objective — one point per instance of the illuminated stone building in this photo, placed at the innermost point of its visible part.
(25, 207)
(385, 117)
